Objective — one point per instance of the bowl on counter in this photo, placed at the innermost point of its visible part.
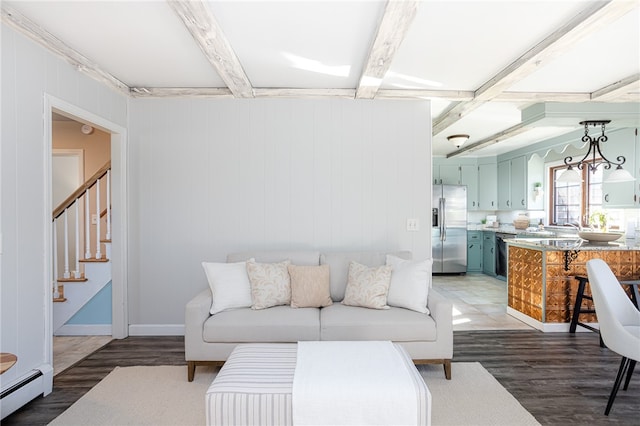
(599, 237)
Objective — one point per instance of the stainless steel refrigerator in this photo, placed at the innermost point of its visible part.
(449, 229)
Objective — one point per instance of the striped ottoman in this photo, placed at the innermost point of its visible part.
(255, 386)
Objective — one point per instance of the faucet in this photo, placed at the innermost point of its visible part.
(574, 225)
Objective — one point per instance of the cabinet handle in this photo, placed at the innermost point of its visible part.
(492, 203)
(474, 204)
(522, 202)
(471, 246)
(491, 249)
(606, 197)
(507, 203)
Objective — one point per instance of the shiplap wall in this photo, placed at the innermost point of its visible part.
(209, 177)
(28, 73)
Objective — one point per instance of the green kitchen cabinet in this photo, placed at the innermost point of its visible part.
(469, 177)
(489, 253)
(487, 187)
(474, 251)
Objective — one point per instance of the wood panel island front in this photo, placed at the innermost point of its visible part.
(541, 277)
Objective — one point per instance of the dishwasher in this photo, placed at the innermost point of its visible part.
(501, 254)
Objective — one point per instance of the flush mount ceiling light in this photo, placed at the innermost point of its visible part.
(458, 140)
(597, 158)
(86, 129)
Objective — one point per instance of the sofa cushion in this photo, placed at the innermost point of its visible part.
(367, 287)
(229, 284)
(310, 286)
(339, 265)
(342, 322)
(296, 257)
(277, 324)
(409, 283)
(270, 284)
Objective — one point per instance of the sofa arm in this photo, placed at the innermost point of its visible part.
(196, 313)
(441, 310)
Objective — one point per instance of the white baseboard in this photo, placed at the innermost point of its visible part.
(156, 330)
(84, 330)
(26, 388)
(555, 327)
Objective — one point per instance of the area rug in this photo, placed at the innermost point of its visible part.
(162, 396)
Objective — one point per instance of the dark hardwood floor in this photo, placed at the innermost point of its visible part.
(562, 379)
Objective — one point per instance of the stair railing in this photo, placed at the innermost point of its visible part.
(62, 212)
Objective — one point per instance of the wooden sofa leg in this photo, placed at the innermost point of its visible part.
(191, 370)
(447, 369)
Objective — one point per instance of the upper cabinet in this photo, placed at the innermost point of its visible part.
(487, 187)
(469, 177)
(620, 194)
(504, 179)
(447, 174)
(512, 184)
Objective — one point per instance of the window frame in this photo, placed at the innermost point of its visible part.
(584, 195)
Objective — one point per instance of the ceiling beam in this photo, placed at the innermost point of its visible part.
(204, 28)
(453, 95)
(41, 36)
(493, 139)
(181, 92)
(398, 16)
(588, 21)
(304, 93)
(622, 87)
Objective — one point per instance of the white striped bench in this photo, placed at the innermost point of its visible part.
(254, 387)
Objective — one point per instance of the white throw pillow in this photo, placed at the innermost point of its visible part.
(270, 284)
(410, 282)
(229, 285)
(367, 287)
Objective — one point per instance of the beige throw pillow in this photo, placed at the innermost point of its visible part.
(310, 286)
(270, 284)
(367, 287)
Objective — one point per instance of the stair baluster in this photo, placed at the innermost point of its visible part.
(108, 233)
(66, 274)
(56, 289)
(87, 227)
(98, 244)
(77, 273)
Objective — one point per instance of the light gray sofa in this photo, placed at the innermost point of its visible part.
(209, 339)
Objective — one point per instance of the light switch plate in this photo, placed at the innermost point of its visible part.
(413, 224)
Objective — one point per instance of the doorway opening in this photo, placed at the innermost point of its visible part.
(88, 234)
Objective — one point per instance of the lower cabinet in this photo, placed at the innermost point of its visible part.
(474, 251)
(489, 253)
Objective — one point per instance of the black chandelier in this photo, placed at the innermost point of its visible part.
(597, 158)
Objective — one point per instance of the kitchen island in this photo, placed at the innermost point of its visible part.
(541, 277)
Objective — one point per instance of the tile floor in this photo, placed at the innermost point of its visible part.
(479, 303)
(67, 350)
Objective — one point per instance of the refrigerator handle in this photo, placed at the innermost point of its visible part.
(443, 220)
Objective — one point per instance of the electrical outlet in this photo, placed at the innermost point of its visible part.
(413, 224)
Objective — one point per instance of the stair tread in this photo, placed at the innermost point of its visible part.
(102, 259)
(59, 299)
(72, 280)
(105, 241)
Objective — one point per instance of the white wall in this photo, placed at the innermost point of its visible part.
(210, 177)
(28, 73)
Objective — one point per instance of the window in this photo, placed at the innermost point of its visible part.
(573, 202)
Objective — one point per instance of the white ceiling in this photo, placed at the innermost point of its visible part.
(485, 61)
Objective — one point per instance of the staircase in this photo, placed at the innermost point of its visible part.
(79, 222)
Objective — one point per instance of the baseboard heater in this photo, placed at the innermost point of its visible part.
(21, 392)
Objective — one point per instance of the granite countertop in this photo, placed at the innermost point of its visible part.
(547, 244)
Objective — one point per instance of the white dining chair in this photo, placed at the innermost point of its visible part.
(618, 319)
